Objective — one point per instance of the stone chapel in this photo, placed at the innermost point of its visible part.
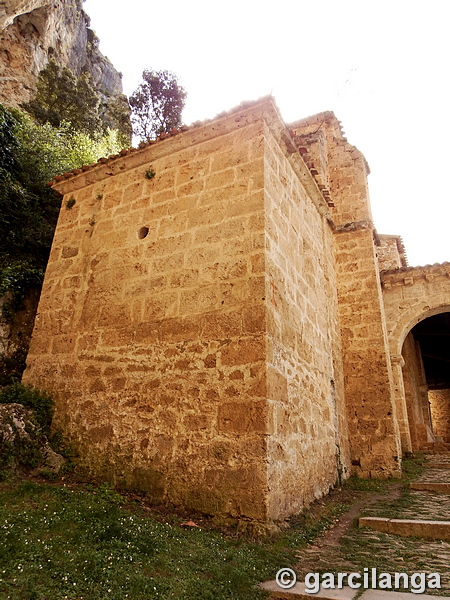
(222, 327)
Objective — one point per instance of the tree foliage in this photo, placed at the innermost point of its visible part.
(157, 104)
(115, 115)
(67, 125)
(61, 96)
(31, 155)
(8, 143)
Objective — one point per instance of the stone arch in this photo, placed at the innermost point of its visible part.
(408, 320)
(411, 295)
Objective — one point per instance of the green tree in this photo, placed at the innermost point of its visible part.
(21, 233)
(8, 143)
(61, 96)
(31, 155)
(115, 115)
(157, 104)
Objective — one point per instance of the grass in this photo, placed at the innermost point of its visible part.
(90, 543)
(84, 542)
(407, 500)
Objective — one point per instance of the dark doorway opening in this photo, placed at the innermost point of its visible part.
(432, 342)
(433, 335)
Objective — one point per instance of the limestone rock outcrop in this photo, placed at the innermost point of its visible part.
(16, 325)
(10, 9)
(22, 444)
(33, 31)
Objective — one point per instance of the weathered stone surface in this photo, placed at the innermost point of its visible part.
(15, 333)
(390, 252)
(10, 9)
(33, 31)
(383, 595)
(440, 413)
(217, 335)
(367, 380)
(443, 488)
(410, 295)
(299, 592)
(22, 445)
(16, 423)
(429, 530)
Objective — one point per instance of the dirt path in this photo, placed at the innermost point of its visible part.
(326, 550)
(345, 548)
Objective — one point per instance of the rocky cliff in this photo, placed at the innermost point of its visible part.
(32, 31)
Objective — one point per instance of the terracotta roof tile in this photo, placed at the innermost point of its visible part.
(176, 131)
(183, 129)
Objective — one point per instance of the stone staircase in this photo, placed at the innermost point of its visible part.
(426, 520)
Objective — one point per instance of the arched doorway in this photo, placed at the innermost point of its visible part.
(433, 336)
(426, 380)
(412, 296)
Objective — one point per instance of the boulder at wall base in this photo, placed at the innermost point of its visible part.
(22, 444)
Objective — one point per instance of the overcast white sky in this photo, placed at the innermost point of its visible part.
(382, 66)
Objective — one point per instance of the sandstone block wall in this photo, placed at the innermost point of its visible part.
(306, 444)
(440, 413)
(410, 295)
(180, 313)
(155, 346)
(214, 325)
(370, 410)
(390, 252)
(371, 413)
(416, 394)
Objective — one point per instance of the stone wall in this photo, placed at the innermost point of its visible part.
(390, 252)
(306, 446)
(440, 413)
(158, 339)
(416, 394)
(410, 295)
(370, 409)
(213, 323)
(188, 324)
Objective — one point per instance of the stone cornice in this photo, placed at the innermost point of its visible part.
(409, 275)
(186, 136)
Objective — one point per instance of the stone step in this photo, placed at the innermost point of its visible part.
(428, 530)
(441, 488)
(436, 447)
(298, 592)
(383, 595)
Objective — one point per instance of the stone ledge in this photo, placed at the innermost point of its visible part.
(442, 488)
(430, 530)
(410, 275)
(298, 592)
(382, 595)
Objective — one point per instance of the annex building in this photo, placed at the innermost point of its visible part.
(222, 327)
